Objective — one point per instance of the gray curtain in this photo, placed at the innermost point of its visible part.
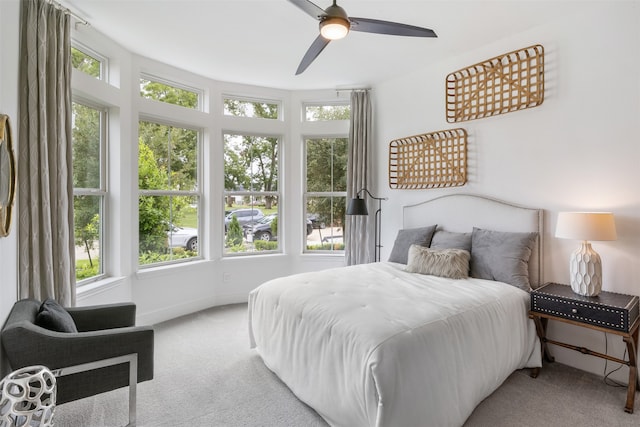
(45, 230)
(359, 240)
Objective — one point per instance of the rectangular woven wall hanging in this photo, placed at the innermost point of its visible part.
(509, 82)
(431, 160)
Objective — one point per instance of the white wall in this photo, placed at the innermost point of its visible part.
(579, 150)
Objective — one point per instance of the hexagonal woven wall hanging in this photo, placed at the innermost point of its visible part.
(509, 82)
(430, 160)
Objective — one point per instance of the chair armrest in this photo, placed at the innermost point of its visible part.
(108, 316)
(31, 345)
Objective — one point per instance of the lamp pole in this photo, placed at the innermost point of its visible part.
(357, 206)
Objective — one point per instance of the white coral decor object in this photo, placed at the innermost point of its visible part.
(28, 397)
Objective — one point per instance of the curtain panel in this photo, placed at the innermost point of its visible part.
(358, 230)
(45, 230)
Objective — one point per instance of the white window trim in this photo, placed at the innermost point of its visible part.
(102, 191)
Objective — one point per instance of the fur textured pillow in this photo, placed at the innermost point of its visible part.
(451, 263)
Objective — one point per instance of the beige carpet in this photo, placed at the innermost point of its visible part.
(206, 375)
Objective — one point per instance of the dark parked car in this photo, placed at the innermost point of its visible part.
(245, 217)
(316, 222)
(262, 229)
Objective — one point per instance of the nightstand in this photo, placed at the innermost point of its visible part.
(609, 312)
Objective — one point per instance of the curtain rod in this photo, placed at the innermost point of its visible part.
(351, 89)
(69, 12)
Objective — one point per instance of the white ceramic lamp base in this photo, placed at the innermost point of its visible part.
(585, 269)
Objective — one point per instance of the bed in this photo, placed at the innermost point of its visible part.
(378, 345)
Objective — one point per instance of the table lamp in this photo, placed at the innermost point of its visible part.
(585, 266)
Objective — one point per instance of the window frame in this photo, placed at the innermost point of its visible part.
(336, 103)
(172, 193)
(103, 60)
(154, 78)
(249, 99)
(277, 194)
(102, 191)
(310, 194)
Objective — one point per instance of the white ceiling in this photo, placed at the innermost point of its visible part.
(262, 42)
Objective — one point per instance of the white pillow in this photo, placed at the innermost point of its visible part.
(451, 263)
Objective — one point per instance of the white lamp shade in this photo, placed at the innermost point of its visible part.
(586, 226)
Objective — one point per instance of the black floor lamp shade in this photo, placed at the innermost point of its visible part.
(357, 206)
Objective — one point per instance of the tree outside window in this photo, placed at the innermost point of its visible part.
(168, 193)
(88, 135)
(326, 192)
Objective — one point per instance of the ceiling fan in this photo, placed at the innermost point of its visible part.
(335, 24)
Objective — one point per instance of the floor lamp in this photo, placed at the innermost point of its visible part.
(358, 206)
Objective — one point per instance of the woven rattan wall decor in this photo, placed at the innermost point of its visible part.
(431, 160)
(509, 82)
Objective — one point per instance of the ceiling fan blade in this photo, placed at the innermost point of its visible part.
(314, 50)
(392, 28)
(311, 9)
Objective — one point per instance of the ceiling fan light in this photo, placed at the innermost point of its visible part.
(334, 28)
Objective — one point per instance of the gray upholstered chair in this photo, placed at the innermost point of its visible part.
(104, 332)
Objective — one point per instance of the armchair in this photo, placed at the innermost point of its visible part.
(104, 332)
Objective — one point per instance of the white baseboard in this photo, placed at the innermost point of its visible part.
(188, 307)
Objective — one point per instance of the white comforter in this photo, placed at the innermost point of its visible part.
(372, 345)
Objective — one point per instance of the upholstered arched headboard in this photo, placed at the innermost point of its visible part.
(461, 212)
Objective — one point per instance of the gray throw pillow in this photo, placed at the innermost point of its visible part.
(451, 263)
(449, 239)
(407, 237)
(54, 317)
(502, 256)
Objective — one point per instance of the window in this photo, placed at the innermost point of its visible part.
(151, 88)
(89, 63)
(251, 174)
(169, 196)
(326, 192)
(253, 109)
(324, 112)
(89, 189)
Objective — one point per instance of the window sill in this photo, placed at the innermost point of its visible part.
(163, 270)
(98, 287)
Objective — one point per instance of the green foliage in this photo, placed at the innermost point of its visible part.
(167, 160)
(327, 172)
(326, 247)
(241, 108)
(274, 226)
(85, 269)
(237, 248)
(251, 163)
(234, 233)
(328, 112)
(85, 63)
(262, 245)
(154, 257)
(153, 211)
(86, 175)
(167, 93)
